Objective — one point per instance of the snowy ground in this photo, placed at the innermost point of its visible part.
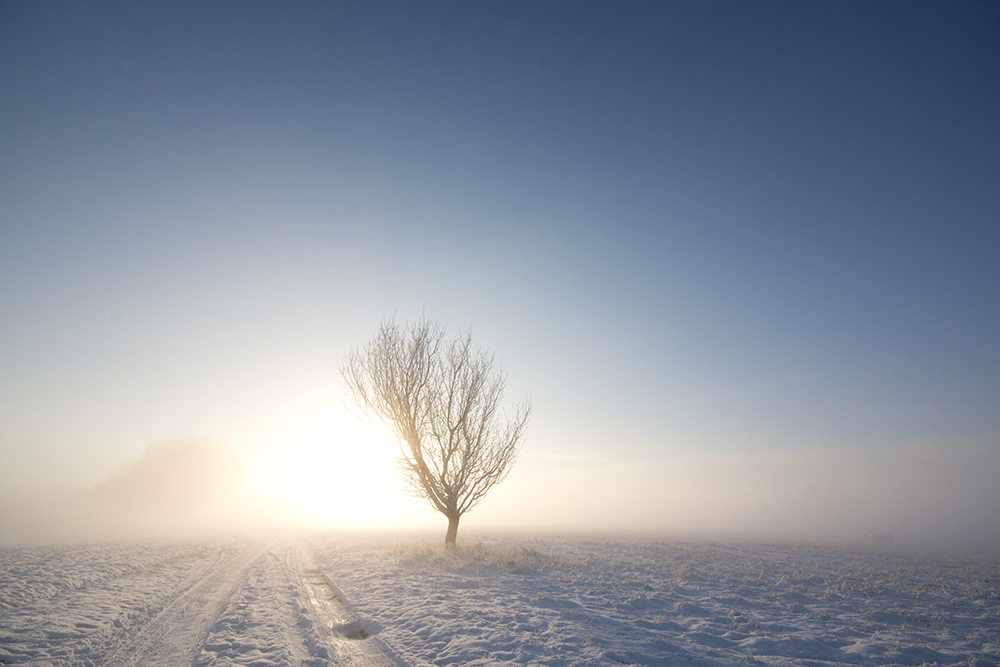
(495, 601)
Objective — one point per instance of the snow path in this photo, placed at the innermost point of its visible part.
(264, 624)
(287, 613)
(350, 639)
(175, 635)
(260, 604)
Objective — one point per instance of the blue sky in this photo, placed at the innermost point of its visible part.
(692, 232)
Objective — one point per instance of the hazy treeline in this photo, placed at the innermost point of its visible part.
(172, 476)
(174, 488)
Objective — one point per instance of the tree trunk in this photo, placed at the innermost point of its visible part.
(449, 538)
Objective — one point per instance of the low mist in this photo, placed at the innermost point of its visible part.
(176, 488)
(932, 498)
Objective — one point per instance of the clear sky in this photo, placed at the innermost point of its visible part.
(743, 257)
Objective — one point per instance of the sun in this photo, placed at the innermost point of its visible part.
(330, 469)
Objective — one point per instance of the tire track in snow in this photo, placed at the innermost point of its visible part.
(350, 641)
(83, 625)
(175, 636)
(264, 622)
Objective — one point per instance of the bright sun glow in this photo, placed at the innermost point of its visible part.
(329, 469)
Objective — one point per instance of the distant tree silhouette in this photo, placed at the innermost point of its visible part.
(171, 476)
(441, 400)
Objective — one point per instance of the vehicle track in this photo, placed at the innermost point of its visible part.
(264, 622)
(175, 636)
(350, 641)
(242, 604)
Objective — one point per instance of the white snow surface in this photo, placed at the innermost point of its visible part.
(377, 599)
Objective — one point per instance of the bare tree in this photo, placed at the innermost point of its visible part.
(441, 400)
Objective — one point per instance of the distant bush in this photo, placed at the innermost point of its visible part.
(171, 476)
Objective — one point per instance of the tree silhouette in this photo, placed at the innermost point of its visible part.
(171, 476)
(441, 401)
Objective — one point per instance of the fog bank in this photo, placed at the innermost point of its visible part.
(926, 499)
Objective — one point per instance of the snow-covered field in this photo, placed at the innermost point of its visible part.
(370, 599)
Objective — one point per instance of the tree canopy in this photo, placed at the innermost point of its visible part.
(441, 399)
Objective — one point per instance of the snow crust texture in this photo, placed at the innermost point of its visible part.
(381, 601)
(589, 602)
(239, 603)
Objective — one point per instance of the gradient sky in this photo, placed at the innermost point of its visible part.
(743, 257)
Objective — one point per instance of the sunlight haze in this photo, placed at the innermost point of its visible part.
(743, 258)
